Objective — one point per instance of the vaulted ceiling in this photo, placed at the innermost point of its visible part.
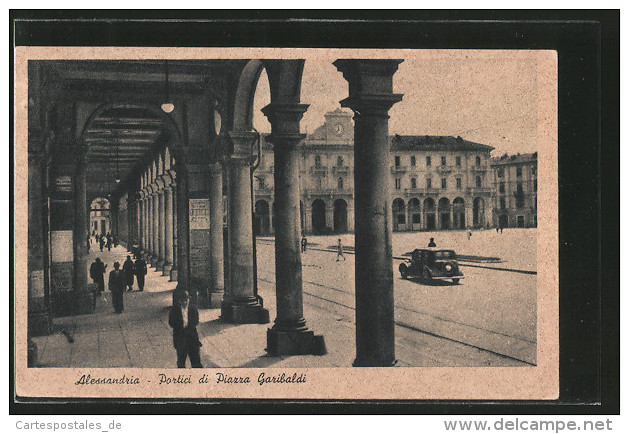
(119, 138)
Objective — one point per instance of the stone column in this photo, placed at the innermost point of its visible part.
(173, 189)
(83, 299)
(155, 226)
(39, 314)
(289, 334)
(149, 225)
(370, 97)
(183, 231)
(216, 235)
(161, 227)
(241, 304)
(168, 226)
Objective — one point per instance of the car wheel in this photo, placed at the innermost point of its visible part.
(403, 271)
(455, 281)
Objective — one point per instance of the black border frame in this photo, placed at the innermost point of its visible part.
(588, 45)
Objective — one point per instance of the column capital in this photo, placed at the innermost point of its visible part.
(285, 117)
(370, 84)
(166, 179)
(240, 150)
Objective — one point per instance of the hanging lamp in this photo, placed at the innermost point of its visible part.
(167, 106)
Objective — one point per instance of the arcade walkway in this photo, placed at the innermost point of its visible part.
(141, 337)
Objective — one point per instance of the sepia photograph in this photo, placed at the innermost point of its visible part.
(291, 223)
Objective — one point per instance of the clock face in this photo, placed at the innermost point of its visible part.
(338, 129)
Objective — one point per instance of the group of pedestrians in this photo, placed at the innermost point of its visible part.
(120, 280)
(103, 241)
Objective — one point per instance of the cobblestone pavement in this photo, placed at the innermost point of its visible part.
(463, 325)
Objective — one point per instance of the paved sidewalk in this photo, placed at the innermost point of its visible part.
(141, 336)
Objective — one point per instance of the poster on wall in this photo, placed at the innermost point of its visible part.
(199, 214)
(61, 246)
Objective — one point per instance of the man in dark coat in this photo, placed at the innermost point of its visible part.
(432, 243)
(101, 242)
(129, 270)
(109, 242)
(184, 319)
(140, 271)
(97, 273)
(116, 286)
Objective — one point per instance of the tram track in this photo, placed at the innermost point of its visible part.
(413, 327)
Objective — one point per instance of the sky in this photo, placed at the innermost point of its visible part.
(492, 101)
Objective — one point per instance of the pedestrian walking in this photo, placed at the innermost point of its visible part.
(140, 271)
(101, 242)
(184, 319)
(304, 244)
(339, 251)
(469, 233)
(116, 286)
(109, 242)
(432, 243)
(128, 270)
(97, 273)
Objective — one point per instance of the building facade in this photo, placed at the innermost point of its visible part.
(515, 187)
(438, 182)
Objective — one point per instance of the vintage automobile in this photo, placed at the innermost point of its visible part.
(432, 263)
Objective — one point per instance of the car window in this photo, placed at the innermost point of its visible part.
(444, 255)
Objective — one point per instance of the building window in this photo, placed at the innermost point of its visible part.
(261, 183)
(340, 183)
(319, 183)
(443, 161)
(458, 161)
(444, 183)
(501, 173)
(501, 187)
(518, 172)
(503, 203)
(413, 161)
(479, 181)
(458, 183)
(428, 161)
(519, 196)
(478, 161)
(398, 183)
(428, 182)
(413, 183)
(317, 161)
(339, 161)
(397, 161)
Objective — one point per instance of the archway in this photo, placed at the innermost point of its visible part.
(100, 217)
(399, 215)
(478, 212)
(318, 217)
(414, 211)
(262, 222)
(429, 214)
(444, 213)
(340, 216)
(459, 213)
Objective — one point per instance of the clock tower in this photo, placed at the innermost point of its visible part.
(339, 127)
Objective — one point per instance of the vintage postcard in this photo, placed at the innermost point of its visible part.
(265, 223)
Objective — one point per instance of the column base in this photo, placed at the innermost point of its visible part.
(83, 302)
(294, 342)
(32, 354)
(173, 274)
(216, 299)
(39, 317)
(373, 362)
(166, 269)
(159, 264)
(235, 313)
(39, 323)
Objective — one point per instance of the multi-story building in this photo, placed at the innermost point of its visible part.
(515, 187)
(437, 182)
